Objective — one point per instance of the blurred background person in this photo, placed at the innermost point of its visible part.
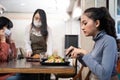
(7, 47)
(7, 36)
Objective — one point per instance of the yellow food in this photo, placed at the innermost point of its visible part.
(36, 56)
(55, 59)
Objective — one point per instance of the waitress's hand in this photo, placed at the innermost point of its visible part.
(75, 51)
(28, 54)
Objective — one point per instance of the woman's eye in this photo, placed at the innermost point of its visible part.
(84, 23)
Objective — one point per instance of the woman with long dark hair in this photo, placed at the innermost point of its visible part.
(101, 61)
(38, 35)
(38, 38)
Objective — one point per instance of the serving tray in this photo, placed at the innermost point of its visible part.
(30, 59)
(66, 63)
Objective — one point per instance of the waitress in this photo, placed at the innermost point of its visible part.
(38, 37)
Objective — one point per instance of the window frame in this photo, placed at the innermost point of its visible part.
(117, 19)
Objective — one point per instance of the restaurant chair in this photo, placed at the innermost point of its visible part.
(67, 75)
(118, 64)
(79, 75)
(21, 54)
(75, 76)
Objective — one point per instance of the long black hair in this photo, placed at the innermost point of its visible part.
(43, 28)
(107, 23)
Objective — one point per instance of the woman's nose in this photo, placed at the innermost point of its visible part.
(82, 27)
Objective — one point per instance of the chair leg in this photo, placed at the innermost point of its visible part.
(56, 78)
(78, 76)
(87, 77)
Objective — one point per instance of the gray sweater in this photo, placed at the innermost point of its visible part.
(102, 59)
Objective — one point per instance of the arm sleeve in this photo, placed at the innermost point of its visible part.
(13, 49)
(4, 51)
(27, 39)
(80, 56)
(104, 69)
(49, 42)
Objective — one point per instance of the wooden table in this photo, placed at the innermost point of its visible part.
(22, 66)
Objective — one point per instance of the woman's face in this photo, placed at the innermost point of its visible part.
(37, 20)
(2, 31)
(37, 17)
(88, 26)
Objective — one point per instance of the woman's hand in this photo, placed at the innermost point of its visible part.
(75, 51)
(28, 54)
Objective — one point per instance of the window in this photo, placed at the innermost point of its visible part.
(118, 7)
(118, 28)
(117, 17)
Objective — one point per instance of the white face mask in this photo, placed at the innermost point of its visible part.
(7, 32)
(37, 24)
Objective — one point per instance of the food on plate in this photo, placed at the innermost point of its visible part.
(54, 59)
(36, 56)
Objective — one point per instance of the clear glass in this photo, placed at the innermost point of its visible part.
(43, 56)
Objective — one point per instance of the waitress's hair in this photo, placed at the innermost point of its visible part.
(107, 23)
(43, 28)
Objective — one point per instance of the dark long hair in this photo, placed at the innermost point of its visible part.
(43, 28)
(107, 23)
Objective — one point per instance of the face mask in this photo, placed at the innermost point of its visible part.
(7, 32)
(37, 24)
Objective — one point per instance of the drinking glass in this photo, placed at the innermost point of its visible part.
(43, 56)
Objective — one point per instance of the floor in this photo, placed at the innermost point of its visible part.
(53, 78)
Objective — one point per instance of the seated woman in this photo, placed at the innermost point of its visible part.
(7, 47)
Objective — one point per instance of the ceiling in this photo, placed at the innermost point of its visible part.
(50, 6)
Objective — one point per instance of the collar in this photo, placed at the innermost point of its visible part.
(37, 33)
(99, 35)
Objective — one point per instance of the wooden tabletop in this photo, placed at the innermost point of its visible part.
(22, 66)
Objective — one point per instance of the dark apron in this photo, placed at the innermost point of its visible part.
(38, 44)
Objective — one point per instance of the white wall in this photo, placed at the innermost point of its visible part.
(18, 31)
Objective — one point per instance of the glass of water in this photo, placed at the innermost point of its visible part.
(43, 56)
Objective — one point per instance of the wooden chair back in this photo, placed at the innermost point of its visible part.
(79, 75)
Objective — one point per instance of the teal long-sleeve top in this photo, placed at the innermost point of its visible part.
(102, 59)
